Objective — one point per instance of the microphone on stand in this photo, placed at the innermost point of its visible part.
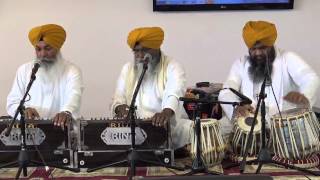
(244, 99)
(147, 57)
(35, 68)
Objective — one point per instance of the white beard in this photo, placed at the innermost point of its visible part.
(50, 72)
(138, 67)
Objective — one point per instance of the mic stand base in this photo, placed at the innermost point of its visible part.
(264, 157)
(132, 158)
(24, 161)
(199, 167)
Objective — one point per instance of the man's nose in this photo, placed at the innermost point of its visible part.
(139, 55)
(42, 54)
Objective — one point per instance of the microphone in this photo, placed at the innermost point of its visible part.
(147, 57)
(35, 68)
(245, 100)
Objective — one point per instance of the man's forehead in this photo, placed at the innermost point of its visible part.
(138, 46)
(42, 44)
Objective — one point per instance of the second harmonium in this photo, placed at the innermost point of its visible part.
(115, 134)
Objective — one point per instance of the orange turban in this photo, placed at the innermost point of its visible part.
(52, 34)
(150, 37)
(261, 31)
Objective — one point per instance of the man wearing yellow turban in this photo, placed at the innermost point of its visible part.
(163, 84)
(294, 82)
(56, 92)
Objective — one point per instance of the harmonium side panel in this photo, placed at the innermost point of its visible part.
(107, 141)
(102, 135)
(52, 142)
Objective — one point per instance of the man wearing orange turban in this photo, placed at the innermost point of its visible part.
(164, 82)
(294, 82)
(56, 92)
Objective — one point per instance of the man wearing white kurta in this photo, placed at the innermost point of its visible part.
(294, 82)
(56, 92)
(163, 84)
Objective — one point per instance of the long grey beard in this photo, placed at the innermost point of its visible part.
(49, 70)
(152, 65)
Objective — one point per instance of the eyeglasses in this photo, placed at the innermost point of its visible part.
(142, 50)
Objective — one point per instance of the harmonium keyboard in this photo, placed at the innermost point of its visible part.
(108, 140)
(53, 142)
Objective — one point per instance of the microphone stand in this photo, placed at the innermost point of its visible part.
(133, 155)
(23, 158)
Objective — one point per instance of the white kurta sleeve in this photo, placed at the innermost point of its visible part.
(73, 93)
(233, 81)
(303, 75)
(175, 86)
(119, 96)
(17, 90)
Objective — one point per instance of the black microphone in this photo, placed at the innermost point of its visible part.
(35, 68)
(147, 57)
(245, 99)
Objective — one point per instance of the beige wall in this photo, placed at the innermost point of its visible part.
(206, 43)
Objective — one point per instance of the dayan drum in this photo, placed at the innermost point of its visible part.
(212, 144)
(295, 137)
(239, 141)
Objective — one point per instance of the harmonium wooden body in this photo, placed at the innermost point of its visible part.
(102, 141)
(53, 142)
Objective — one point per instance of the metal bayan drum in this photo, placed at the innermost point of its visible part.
(295, 137)
(240, 138)
(212, 143)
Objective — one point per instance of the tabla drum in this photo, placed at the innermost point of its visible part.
(295, 137)
(239, 141)
(212, 144)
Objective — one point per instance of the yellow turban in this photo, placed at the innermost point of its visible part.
(52, 34)
(150, 37)
(261, 31)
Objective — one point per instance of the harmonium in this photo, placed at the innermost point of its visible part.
(52, 142)
(102, 141)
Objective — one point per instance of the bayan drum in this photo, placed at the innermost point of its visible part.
(295, 137)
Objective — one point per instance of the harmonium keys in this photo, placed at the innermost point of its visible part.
(115, 134)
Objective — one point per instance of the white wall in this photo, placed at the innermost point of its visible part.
(206, 43)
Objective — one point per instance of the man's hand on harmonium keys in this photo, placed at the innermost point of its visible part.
(121, 111)
(31, 113)
(162, 118)
(60, 118)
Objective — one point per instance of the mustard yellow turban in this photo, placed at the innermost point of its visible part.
(52, 34)
(150, 37)
(261, 31)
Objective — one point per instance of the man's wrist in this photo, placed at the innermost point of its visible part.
(168, 111)
(68, 113)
